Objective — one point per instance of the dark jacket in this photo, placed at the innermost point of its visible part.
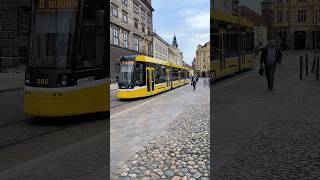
(264, 54)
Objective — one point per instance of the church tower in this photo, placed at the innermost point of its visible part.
(174, 43)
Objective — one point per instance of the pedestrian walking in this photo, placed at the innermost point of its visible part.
(271, 57)
(194, 82)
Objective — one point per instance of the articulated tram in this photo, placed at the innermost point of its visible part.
(142, 76)
(67, 71)
(232, 42)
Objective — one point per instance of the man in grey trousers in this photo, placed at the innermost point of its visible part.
(270, 58)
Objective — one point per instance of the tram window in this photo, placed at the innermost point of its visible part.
(139, 74)
(91, 46)
(215, 47)
(158, 73)
(163, 74)
(249, 43)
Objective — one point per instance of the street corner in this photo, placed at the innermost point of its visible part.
(183, 153)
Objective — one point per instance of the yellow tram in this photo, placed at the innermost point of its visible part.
(142, 76)
(232, 39)
(68, 69)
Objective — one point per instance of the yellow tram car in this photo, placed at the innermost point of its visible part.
(142, 76)
(232, 44)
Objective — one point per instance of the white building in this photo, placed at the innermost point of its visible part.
(160, 48)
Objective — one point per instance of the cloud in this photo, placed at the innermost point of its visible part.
(190, 23)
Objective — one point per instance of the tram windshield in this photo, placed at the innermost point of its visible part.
(52, 36)
(126, 72)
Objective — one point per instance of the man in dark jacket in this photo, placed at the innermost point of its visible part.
(270, 58)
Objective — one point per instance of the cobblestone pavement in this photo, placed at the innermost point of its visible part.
(183, 153)
(268, 135)
(133, 128)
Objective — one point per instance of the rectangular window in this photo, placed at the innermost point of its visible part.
(136, 23)
(143, 28)
(124, 16)
(114, 11)
(149, 18)
(125, 39)
(115, 35)
(125, 2)
(136, 43)
(279, 16)
(136, 7)
(302, 15)
(143, 14)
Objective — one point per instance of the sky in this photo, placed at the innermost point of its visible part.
(189, 20)
(252, 4)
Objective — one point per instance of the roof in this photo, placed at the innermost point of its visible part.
(253, 16)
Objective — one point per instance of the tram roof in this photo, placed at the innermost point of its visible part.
(238, 20)
(143, 58)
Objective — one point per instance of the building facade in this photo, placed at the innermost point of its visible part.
(268, 15)
(14, 31)
(175, 55)
(227, 6)
(202, 63)
(260, 27)
(130, 31)
(297, 24)
(160, 48)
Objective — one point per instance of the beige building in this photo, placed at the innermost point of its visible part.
(202, 63)
(160, 48)
(130, 31)
(227, 6)
(297, 23)
(175, 55)
(268, 15)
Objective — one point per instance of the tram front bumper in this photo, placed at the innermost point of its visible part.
(49, 104)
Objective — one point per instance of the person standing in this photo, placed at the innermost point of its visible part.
(271, 57)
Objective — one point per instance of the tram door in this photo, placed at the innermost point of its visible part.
(150, 80)
(222, 49)
(168, 77)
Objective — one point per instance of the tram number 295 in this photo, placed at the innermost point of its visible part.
(42, 81)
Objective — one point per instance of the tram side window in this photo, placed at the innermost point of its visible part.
(91, 45)
(163, 74)
(139, 74)
(175, 74)
(215, 47)
(158, 73)
(249, 43)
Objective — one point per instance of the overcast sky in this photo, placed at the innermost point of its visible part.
(188, 19)
(252, 4)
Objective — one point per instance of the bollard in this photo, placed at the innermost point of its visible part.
(318, 59)
(301, 66)
(307, 65)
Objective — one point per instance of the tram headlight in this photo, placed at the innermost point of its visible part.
(27, 78)
(64, 80)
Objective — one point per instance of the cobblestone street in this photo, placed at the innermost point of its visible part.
(171, 142)
(267, 135)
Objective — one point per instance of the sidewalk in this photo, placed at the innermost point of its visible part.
(151, 127)
(113, 86)
(261, 134)
(12, 78)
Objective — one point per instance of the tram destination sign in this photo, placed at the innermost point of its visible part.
(57, 4)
